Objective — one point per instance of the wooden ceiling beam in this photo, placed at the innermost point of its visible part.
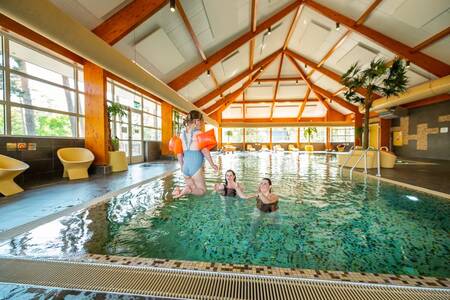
(277, 84)
(293, 26)
(213, 94)
(252, 29)
(280, 79)
(424, 61)
(218, 56)
(303, 105)
(128, 18)
(331, 74)
(318, 90)
(432, 40)
(278, 101)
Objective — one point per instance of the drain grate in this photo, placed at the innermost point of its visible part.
(149, 281)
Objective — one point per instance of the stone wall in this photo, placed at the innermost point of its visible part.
(424, 132)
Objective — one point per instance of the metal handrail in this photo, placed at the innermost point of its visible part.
(346, 161)
(365, 167)
(365, 161)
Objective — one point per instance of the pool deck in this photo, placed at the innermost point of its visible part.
(40, 204)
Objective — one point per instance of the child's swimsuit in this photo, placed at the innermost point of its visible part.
(193, 159)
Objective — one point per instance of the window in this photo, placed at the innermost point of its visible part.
(342, 134)
(257, 135)
(284, 135)
(319, 137)
(43, 96)
(177, 122)
(232, 135)
(142, 122)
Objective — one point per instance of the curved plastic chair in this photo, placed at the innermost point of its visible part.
(387, 158)
(9, 169)
(340, 147)
(76, 162)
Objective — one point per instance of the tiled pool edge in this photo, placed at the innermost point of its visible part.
(357, 277)
(8, 234)
(406, 185)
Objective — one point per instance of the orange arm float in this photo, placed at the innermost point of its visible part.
(175, 145)
(207, 139)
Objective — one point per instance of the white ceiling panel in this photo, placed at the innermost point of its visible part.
(194, 90)
(286, 110)
(232, 64)
(440, 50)
(291, 91)
(262, 91)
(360, 53)
(314, 37)
(257, 110)
(328, 84)
(272, 70)
(416, 14)
(350, 8)
(100, 8)
(159, 49)
(314, 110)
(233, 111)
(78, 12)
(267, 8)
(415, 76)
(339, 108)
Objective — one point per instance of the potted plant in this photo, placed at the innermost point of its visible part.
(378, 78)
(229, 134)
(309, 133)
(117, 159)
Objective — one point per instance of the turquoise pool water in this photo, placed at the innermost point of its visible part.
(324, 222)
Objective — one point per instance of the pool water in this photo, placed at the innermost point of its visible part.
(324, 221)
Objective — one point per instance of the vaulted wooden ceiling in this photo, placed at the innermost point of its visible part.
(270, 59)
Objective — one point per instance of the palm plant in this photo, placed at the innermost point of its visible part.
(114, 110)
(229, 134)
(309, 132)
(378, 78)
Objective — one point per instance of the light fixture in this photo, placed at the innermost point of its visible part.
(338, 25)
(172, 5)
(306, 66)
(208, 73)
(259, 82)
(269, 31)
(408, 63)
(296, 81)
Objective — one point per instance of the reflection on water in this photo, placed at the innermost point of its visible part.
(323, 222)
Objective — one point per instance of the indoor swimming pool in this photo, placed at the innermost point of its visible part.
(324, 222)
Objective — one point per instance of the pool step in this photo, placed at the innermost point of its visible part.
(192, 284)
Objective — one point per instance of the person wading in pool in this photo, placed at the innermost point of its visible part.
(192, 158)
(266, 201)
(229, 187)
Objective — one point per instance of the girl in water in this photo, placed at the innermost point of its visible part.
(192, 158)
(229, 188)
(266, 201)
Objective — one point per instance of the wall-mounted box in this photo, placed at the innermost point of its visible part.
(11, 146)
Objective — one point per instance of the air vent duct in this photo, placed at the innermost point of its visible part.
(393, 113)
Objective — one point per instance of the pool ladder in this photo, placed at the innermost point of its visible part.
(363, 154)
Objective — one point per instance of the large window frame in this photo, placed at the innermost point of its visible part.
(342, 134)
(320, 137)
(76, 117)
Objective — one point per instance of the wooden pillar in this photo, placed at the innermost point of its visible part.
(97, 127)
(328, 140)
(270, 140)
(243, 139)
(219, 138)
(385, 132)
(358, 129)
(298, 137)
(166, 127)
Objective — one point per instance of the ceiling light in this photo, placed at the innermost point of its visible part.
(269, 31)
(259, 82)
(306, 66)
(408, 63)
(172, 5)
(338, 26)
(208, 73)
(296, 81)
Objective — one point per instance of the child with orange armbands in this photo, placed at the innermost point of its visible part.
(191, 149)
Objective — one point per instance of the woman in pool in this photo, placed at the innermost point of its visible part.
(192, 158)
(229, 187)
(266, 201)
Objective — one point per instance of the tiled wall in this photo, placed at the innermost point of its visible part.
(44, 163)
(422, 133)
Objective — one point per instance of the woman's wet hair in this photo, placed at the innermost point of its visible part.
(270, 183)
(192, 116)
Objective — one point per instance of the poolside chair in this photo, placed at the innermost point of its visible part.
(76, 162)
(309, 148)
(9, 169)
(250, 148)
(278, 148)
(340, 148)
(387, 158)
(264, 148)
(292, 148)
(228, 148)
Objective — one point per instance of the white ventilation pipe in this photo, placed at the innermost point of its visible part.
(428, 89)
(46, 19)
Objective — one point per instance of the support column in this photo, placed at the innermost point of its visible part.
(219, 138)
(328, 140)
(96, 124)
(358, 129)
(166, 127)
(270, 140)
(298, 137)
(385, 133)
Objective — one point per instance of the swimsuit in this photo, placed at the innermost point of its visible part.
(229, 192)
(271, 207)
(193, 159)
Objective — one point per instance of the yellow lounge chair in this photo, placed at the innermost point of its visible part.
(76, 162)
(340, 147)
(9, 169)
(228, 148)
(250, 148)
(264, 148)
(292, 148)
(278, 148)
(309, 148)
